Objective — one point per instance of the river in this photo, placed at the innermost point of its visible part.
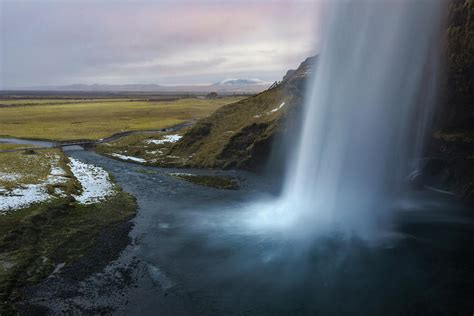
(191, 254)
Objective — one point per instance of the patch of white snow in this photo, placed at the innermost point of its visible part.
(165, 139)
(8, 176)
(128, 158)
(95, 182)
(25, 195)
(277, 109)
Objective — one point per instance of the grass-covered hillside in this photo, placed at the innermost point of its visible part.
(240, 135)
(234, 134)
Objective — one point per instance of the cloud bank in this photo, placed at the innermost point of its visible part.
(52, 42)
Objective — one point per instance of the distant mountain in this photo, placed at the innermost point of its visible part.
(101, 87)
(228, 86)
(240, 82)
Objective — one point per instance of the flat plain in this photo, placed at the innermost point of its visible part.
(94, 118)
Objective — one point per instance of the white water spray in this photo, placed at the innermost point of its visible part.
(365, 113)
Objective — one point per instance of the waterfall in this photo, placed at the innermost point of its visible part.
(366, 109)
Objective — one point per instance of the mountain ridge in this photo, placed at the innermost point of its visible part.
(249, 86)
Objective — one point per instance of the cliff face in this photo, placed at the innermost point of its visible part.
(459, 108)
(451, 153)
(241, 135)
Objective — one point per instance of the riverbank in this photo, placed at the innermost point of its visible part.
(65, 282)
(53, 210)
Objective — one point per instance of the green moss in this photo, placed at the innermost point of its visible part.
(218, 182)
(455, 136)
(34, 240)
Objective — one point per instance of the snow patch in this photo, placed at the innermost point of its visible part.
(8, 176)
(25, 195)
(277, 109)
(22, 197)
(154, 152)
(165, 139)
(271, 111)
(177, 174)
(95, 182)
(128, 158)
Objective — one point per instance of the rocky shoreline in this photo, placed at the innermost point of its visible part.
(64, 285)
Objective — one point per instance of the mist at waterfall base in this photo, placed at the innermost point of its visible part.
(366, 111)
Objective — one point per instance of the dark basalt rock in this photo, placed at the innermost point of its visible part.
(453, 142)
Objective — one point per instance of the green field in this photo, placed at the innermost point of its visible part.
(48, 101)
(66, 119)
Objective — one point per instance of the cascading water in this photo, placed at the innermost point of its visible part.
(365, 112)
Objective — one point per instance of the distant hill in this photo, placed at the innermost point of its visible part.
(240, 82)
(228, 86)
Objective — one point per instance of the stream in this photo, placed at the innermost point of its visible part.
(191, 254)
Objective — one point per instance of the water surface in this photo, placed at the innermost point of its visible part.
(194, 256)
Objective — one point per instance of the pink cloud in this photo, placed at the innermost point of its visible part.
(69, 39)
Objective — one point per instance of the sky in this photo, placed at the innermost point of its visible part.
(60, 42)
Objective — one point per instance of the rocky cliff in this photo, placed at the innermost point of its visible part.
(451, 154)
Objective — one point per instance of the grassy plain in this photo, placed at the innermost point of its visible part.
(94, 119)
(33, 101)
(27, 167)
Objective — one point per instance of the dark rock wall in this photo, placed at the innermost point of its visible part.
(453, 140)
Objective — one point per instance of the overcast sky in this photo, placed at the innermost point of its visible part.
(58, 42)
